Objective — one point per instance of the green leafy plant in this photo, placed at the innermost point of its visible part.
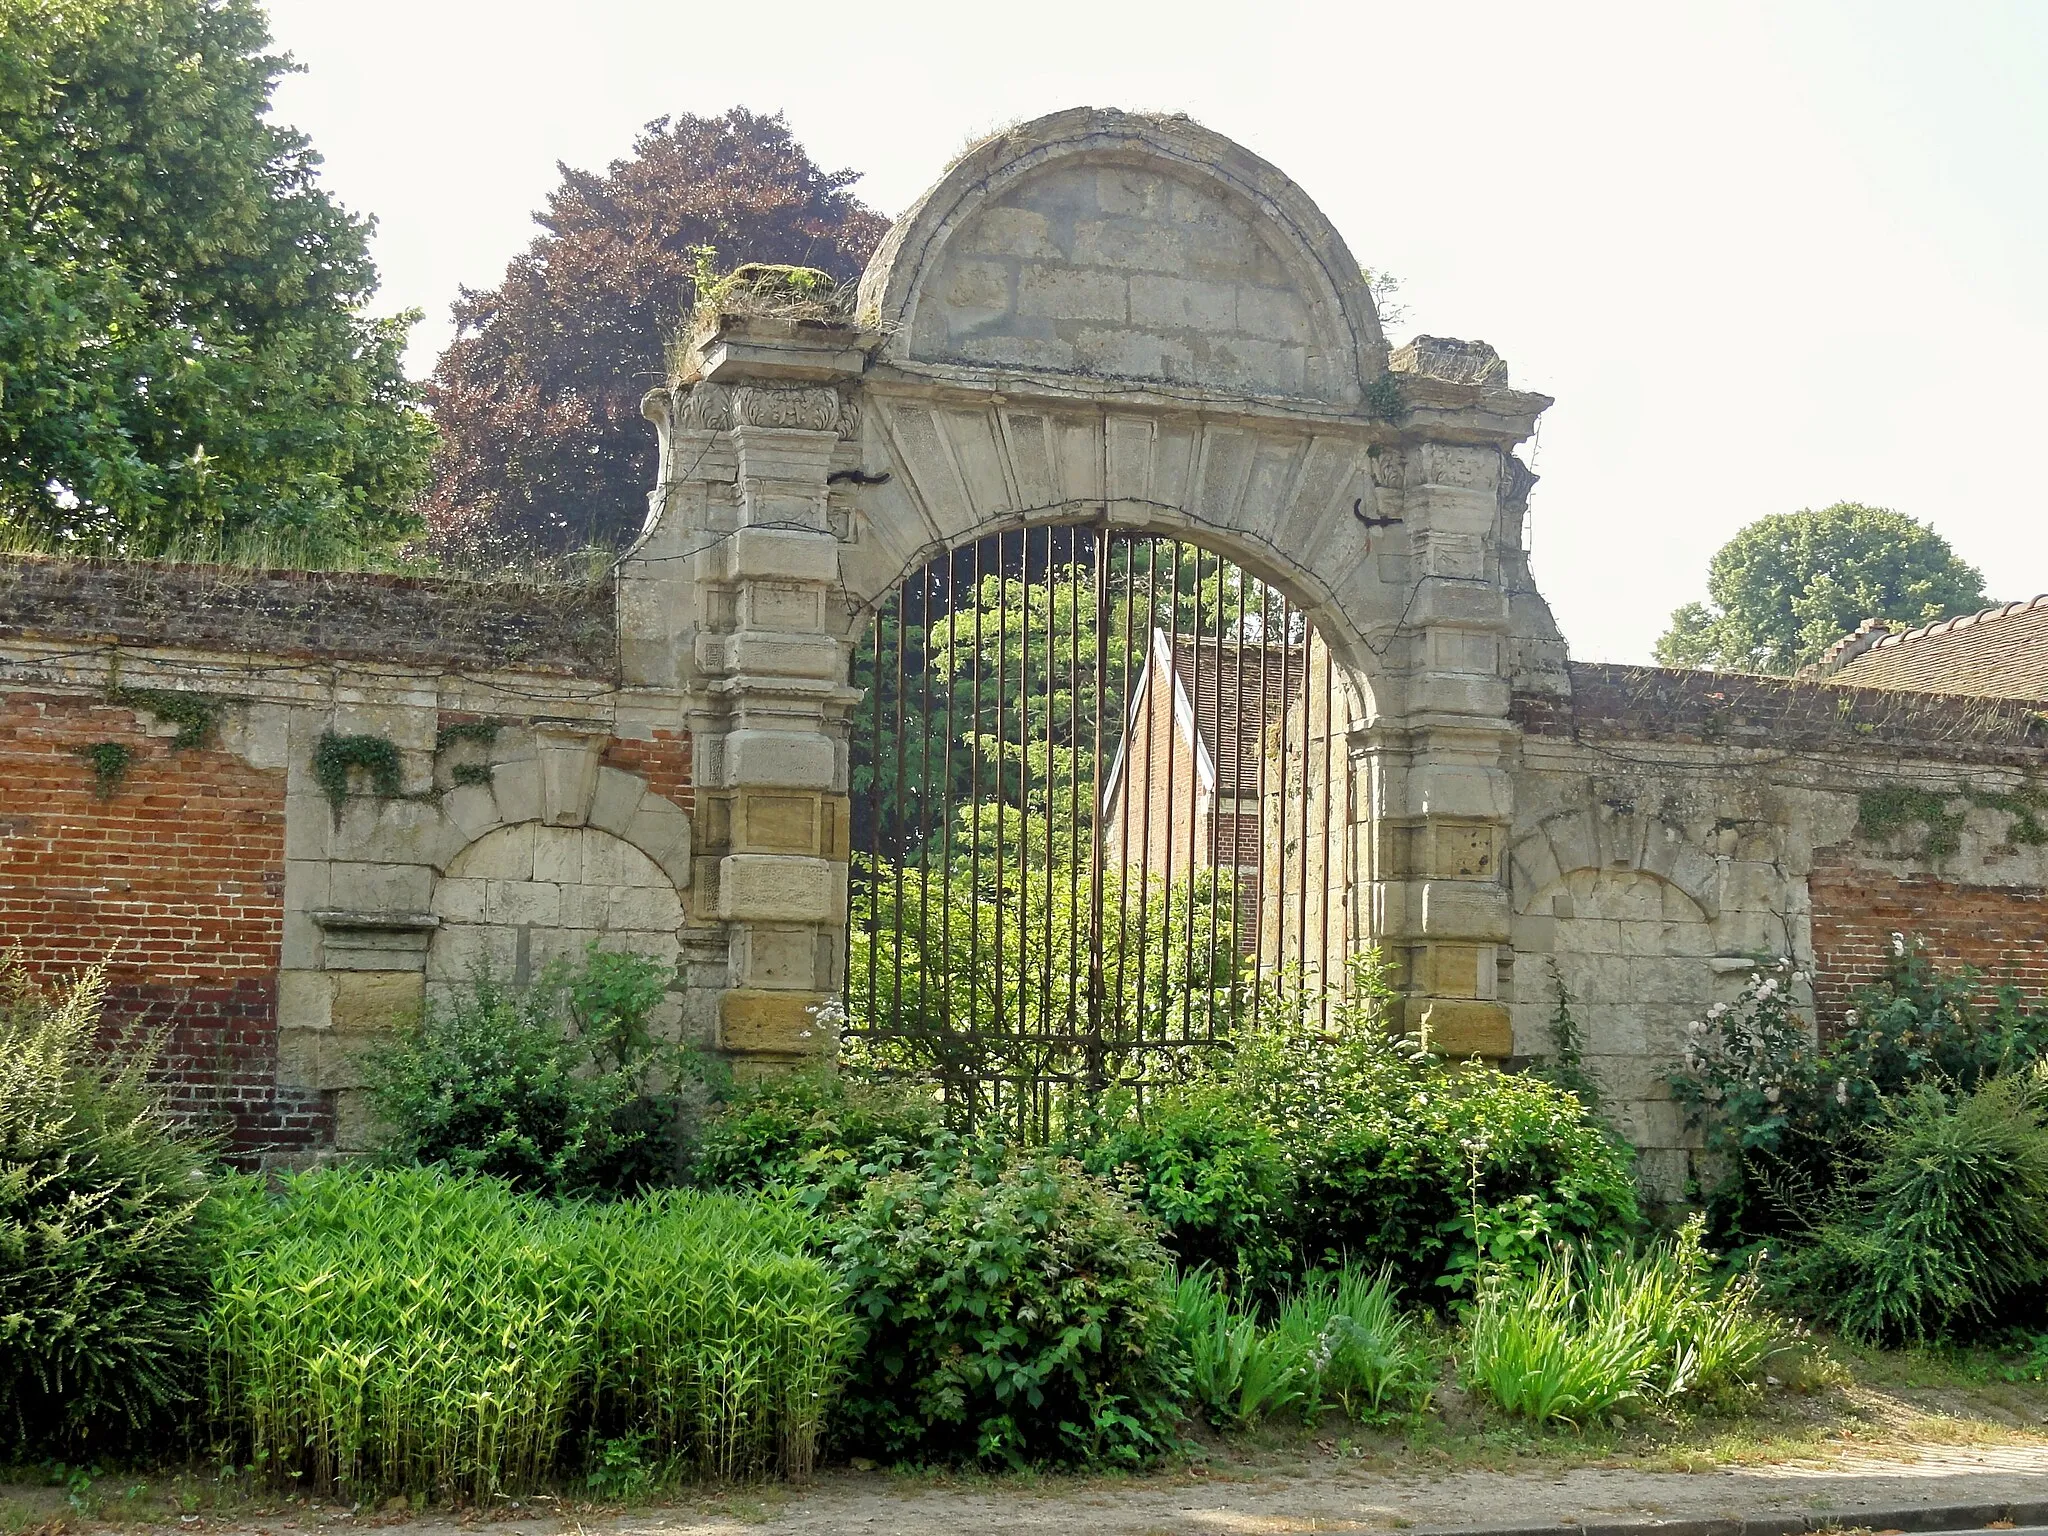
(104, 1245)
(561, 1088)
(818, 1134)
(1214, 1174)
(1012, 1310)
(1584, 1334)
(413, 1332)
(1532, 1348)
(1393, 1150)
(196, 715)
(1791, 1119)
(336, 760)
(1944, 1230)
(109, 761)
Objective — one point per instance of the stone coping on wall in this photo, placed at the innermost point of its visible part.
(1609, 701)
(550, 628)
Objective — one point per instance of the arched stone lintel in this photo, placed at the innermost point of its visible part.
(1320, 263)
(609, 799)
(1576, 839)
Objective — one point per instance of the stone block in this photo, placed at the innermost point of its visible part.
(981, 287)
(1450, 970)
(567, 756)
(780, 888)
(298, 1056)
(645, 908)
(1464, 909)
(1462, 1027)
(303, 999)
(1462, 790)
(558, 855)
(373, 1001)
(514, 902)
(505, 854)
(618, 796)
(1144, 247)
(1071, 293)
(308, 827)
(303, 948)
(1133, 354)
(471, 809)
(363, 887)
(781, 759)
(1533, 868)
(307, 884)
(754, 1021)
(516, 787)
(461, 900)
(1013, 232)
(1179, 303)
(663, 833)
(770, 823)
(1274, 314)
(775, 957)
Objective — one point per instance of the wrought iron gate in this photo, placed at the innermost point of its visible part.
(1103, 817)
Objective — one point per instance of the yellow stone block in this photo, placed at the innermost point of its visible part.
(373, 1000)
(755, 1022)
(1456, 1026)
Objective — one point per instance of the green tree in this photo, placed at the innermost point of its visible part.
(182, 357)
(1788, 586)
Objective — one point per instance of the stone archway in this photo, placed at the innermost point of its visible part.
(1123, 319)
(523, 896)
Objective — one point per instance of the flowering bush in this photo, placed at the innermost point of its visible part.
(1791, 1116)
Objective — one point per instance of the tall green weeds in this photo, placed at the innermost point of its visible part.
(1578, 1337)
(411, 1332)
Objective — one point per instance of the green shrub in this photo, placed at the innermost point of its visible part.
(1011, 1309)
(1237, 1371)
(1215, 1176)
(1792, 1120)
(412, 1331)
(1945, 1230)
(104, 1249)
(560, 1088)
(1425, 1168)
(816, 1133)
(1576, 1338)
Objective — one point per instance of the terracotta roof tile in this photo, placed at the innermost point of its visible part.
(1999, 653)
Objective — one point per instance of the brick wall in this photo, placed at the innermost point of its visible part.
(178, 877)
(2001, 930)
(663, 760)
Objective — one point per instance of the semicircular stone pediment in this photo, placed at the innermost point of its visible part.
(1098, 246)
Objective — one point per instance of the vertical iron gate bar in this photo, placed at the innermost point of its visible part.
(1074, 923)
(874, 879)
(1329, 810)
(1151, 683)
(1265, 718)
(1281, 860)
(1223, 567)
(1097, 831)
(924, 797)
(1048, 1021)
(1172, 743)
(1187, 987)
(946, 800)
(1236, 813)
(896, 818)
(1002, 681)
(1024, 802)
(1301, 894)
(974, 812)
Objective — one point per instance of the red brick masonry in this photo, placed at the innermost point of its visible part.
(178, 877)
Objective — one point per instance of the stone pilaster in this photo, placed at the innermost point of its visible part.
(767, 675)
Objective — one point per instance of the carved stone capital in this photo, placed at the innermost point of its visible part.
(809, 410)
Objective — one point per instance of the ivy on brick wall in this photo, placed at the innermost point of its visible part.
(196, 715)
(110, 762)
(1882, 814)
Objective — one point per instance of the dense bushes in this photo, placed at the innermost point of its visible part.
(1790, 1119)
(1010, 1309)
(815, 1133)
(1945, 1226)
(1315, 1147)
(559, 1088)
(1897, 1172)
(419, 1332)
(104, 1250)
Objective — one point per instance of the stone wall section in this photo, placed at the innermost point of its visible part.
(1671, 828)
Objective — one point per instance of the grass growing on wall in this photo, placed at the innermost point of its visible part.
(411, 1332)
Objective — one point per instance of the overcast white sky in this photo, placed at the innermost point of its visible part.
(1765, 256)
